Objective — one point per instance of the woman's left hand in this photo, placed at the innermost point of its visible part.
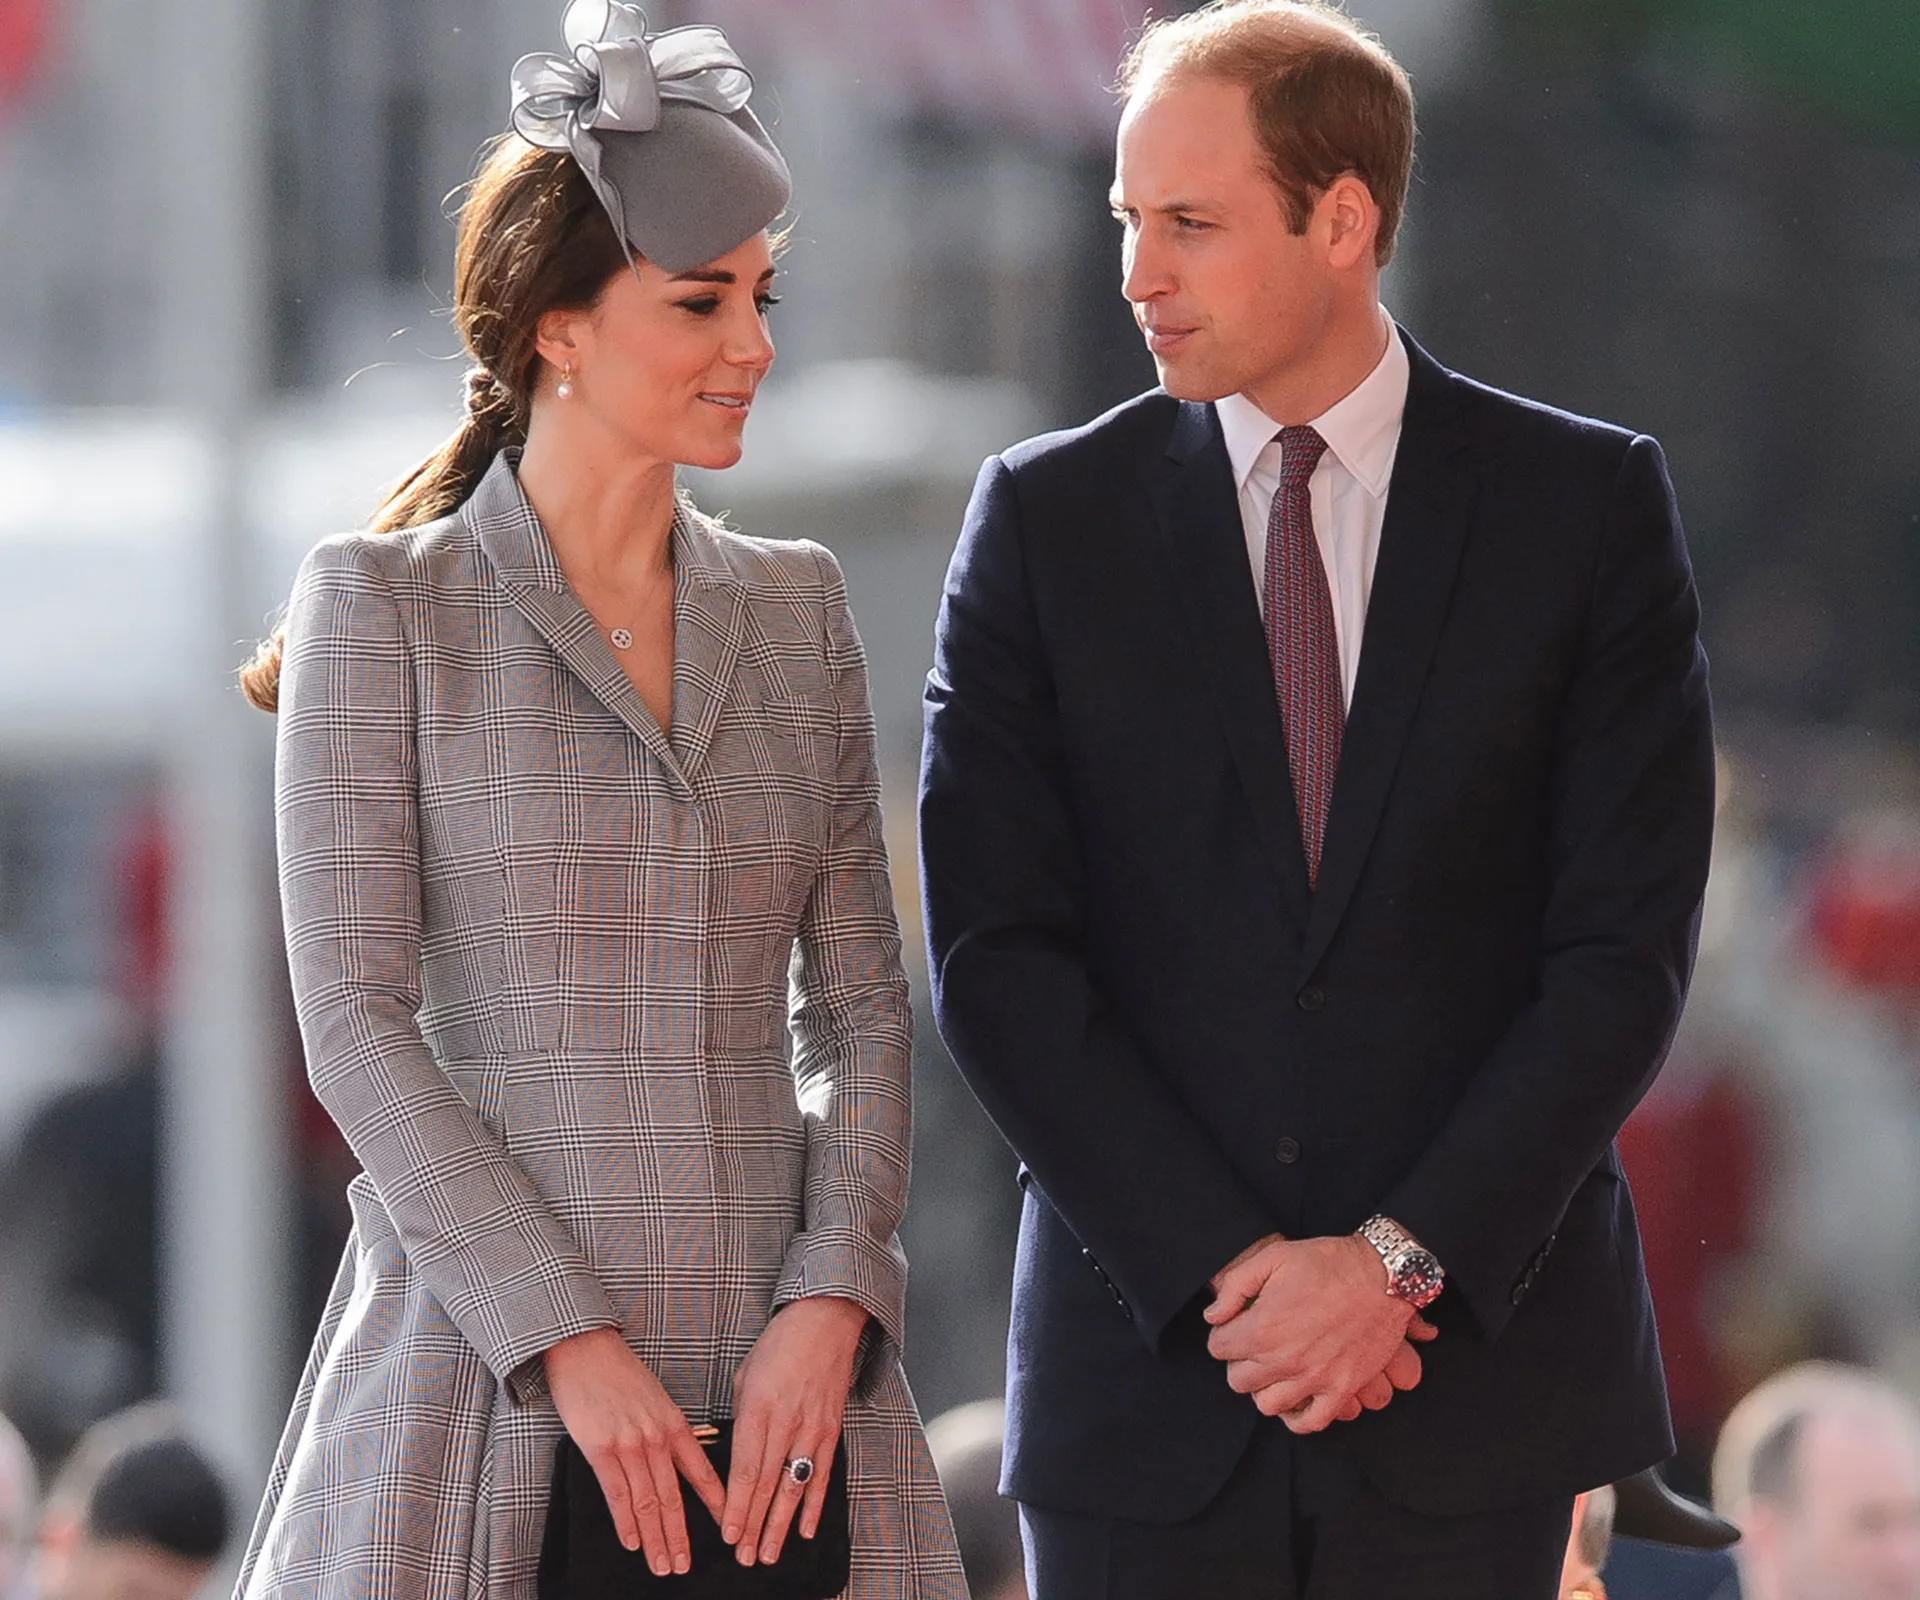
(788, 1399)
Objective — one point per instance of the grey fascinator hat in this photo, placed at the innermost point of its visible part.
(660, 126)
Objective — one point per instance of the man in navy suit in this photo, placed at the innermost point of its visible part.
(1315, 816)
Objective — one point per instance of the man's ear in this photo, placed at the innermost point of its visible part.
(1351, 220)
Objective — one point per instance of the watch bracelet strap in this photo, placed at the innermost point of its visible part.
(1389, 1239)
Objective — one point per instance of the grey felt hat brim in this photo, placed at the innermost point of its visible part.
(696, 185)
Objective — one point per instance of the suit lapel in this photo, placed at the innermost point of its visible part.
(511, 538)
(1430, 501)
(1199, 519)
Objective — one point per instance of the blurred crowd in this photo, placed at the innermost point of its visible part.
(135, 1512)
(1637, 220)
(1816, 1474)
(1776, 1167)
(1816, 1482)
(1776, 1161)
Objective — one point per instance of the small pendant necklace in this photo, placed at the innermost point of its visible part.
(622, 638)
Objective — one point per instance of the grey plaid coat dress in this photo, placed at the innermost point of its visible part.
(613, 1020)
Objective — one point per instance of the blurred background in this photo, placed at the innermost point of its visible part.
(225, 254)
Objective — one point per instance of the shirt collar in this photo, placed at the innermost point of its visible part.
(1361, 430)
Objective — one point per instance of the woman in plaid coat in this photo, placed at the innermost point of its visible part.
(588, 917)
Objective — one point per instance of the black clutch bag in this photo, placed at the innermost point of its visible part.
(581, 1557)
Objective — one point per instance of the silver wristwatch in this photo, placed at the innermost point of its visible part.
(1413, 1273)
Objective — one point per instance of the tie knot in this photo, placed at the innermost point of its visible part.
(1300, 451)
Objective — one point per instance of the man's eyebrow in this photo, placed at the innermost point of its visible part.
(1172, 208)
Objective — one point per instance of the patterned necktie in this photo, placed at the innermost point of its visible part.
(1301, 641)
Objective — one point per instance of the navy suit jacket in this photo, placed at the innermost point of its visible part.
(1188, 1048)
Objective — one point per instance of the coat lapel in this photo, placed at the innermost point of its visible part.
(1199, 519)
(512, 539)
(1430, 501)
(709, 625)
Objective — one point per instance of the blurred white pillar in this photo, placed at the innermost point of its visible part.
(225, 1159)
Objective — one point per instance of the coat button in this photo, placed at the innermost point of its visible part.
(1311, 998)
(1287, 1151)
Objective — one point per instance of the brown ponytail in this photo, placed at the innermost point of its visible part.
(533, 238)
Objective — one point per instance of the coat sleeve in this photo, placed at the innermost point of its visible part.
(852, 1024)
(484, 1242)
(1116, 1152)
(1632, 828)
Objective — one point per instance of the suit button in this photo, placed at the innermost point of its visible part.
(1519, 1293)
(1311, 998)
(1287, 1151)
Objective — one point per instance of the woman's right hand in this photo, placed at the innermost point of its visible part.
(637, 1442)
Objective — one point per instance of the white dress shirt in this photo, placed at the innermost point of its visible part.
(1347, 492)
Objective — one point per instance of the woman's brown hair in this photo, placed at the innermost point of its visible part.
(533, 238)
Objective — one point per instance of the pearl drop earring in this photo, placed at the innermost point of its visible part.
(563, 390)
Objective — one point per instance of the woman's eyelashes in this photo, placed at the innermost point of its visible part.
(704, 305)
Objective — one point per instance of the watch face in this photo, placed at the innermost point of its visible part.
(1417, 1277)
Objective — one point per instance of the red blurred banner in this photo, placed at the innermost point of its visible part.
(23, 39)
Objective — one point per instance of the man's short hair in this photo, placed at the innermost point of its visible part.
(1756, 1461)
(1326, 97)
(138, 1477)
(1771, 1474)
